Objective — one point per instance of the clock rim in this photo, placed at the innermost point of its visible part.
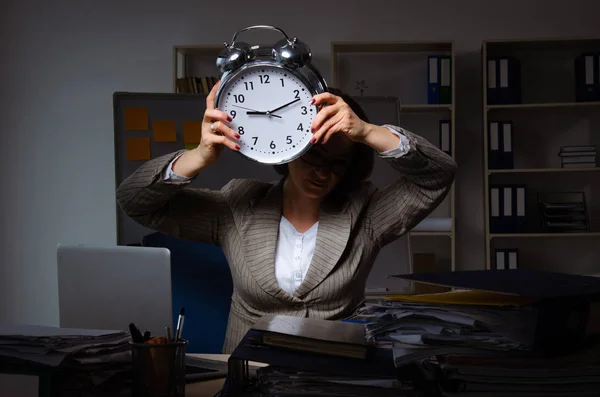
(230, 75)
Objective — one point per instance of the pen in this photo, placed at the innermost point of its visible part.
(179, 324)
(168, 334)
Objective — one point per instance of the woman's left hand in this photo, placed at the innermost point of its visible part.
(336, 117)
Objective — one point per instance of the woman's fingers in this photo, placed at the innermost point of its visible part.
(210, 99)
(220, 128)
(211, 115)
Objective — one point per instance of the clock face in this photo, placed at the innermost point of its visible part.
(271, 111)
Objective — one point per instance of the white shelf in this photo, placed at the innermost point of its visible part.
(549, 106)
(542, 170)
(547, 119)
(544, 235)
(431, 234)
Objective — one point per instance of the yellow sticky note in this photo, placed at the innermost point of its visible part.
(192, 131)
(136, 119)
(191, 146)
(138, 148)
(164, 131)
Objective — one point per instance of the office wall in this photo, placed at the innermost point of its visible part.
(62, 60)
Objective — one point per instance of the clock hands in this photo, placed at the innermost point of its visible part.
(270, 112)
(252, 111)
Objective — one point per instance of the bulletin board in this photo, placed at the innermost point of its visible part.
(150, 125)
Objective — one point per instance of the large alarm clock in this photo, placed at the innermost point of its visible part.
(267, 92)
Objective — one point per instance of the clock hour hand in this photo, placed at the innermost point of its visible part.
(263, 113)
(252, 111)
(282, 106)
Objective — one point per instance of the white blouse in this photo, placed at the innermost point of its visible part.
(295, 250)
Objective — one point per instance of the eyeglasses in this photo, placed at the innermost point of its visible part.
(316, 159)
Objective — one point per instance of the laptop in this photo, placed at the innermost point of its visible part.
(108, 287)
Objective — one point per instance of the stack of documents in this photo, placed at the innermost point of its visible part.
(91, 358)
(483, 343)
(279, 381)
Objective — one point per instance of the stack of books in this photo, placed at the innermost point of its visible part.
(578, 156)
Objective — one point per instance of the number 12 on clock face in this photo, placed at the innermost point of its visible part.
(270, 108)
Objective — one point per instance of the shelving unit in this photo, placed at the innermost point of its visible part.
(397, 74)
(194, 61)
(547, 114)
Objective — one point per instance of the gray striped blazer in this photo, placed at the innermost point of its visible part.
(243, 219)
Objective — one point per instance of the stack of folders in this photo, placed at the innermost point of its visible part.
(578, 156)
(587, 77)
(501, 333)
(563, 212)
(508, 208)
(90, 361)
(309, 357)
(439, 79)
(503, 80)
(500, 146)
(506, 258)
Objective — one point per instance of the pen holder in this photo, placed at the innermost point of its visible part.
(158, 369)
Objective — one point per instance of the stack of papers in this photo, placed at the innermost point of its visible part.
(93, 356)
(278, 381)
(473, 343)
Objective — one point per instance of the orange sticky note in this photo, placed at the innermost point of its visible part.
(164, 130)
(192, 131)
(191, 146)
(136, 119)
(138, 148)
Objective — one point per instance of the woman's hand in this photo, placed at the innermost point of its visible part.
(336, 117)
(215, 131)
(215, 134)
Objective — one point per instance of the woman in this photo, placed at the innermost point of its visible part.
(303, 246)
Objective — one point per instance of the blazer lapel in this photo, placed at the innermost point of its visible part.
(332, 237)
(260, 229)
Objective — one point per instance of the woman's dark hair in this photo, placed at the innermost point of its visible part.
(361, 158)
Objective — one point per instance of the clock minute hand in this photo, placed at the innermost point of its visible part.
(282, 106)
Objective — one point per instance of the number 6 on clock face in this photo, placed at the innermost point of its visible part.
(270, 108)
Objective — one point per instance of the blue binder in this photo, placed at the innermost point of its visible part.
(587, 77)
(433, 79)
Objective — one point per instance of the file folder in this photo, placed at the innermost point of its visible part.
(506, 154)
(510, 80)
(587, 77)
(445, 80)
(494, 135)
(492, 81)
(520, 206)
(433, 80)
(446, 137)
(495, 205)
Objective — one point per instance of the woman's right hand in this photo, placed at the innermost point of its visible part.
(215, 131)
(215, 134)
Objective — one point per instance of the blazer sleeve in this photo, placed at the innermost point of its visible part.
(173, 207)
(425, 177)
